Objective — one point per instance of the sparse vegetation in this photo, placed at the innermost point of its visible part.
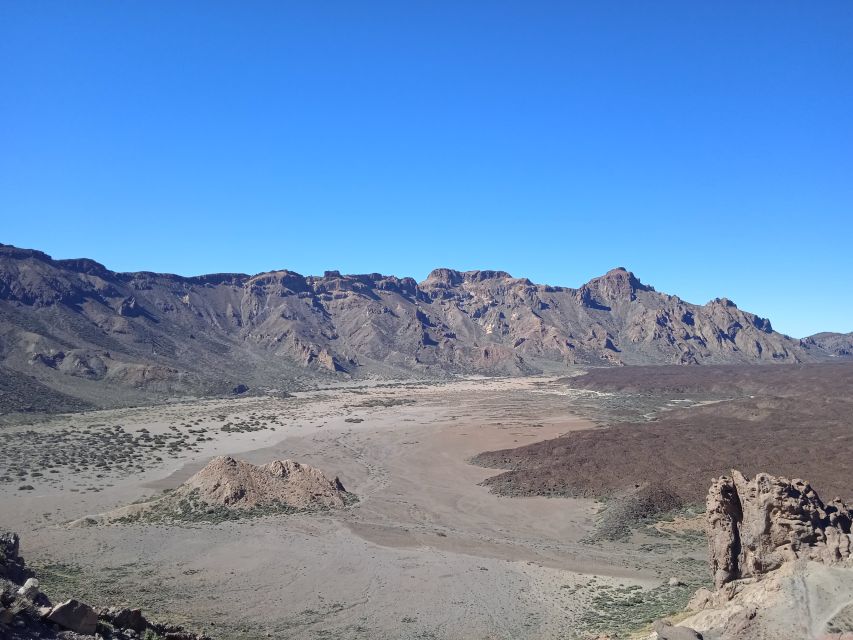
(187, 510)
(621, 610)
(386, 402)
(104, 451)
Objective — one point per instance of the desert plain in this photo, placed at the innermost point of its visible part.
(427, 551)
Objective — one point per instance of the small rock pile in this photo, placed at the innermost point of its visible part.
(27, 613)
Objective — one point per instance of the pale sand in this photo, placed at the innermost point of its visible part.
(427, 553)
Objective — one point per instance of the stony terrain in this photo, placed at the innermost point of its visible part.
(602, 538)
(426, 552)
(790, 421)
(85, 336)
(26, 613)
(429, 550)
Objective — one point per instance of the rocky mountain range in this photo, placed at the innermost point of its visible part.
(75, 334)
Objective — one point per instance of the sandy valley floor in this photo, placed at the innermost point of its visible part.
(426, 552)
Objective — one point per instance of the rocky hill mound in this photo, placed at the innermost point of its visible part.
(229, 489)
(237, 484)
(103, 337)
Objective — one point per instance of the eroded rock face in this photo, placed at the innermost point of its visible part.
(755, 526)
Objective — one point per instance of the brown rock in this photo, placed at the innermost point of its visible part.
(30, 589)
(754, 526)
(667, 631)
(6, 615)
(242, 485)
(75, 616)
(11, 563)
(129, 619)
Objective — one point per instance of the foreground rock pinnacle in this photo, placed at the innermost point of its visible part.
(755, 526)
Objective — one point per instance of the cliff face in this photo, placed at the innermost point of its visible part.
(81, 328)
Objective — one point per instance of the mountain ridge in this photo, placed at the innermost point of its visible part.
(86, 331)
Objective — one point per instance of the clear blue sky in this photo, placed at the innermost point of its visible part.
(707, 146)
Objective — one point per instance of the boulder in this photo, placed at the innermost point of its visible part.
(667, 631)
(755, 526)
(11, 564)
(781, 561)
(128, 619)
(30, 590)
(74, 616)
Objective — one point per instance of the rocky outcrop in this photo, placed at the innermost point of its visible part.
(27, 614)
(754, 526)
(802, 600)
(781, 562)
(125, 618)
(237, 484)
(228, 489)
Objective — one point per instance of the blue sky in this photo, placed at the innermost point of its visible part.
(707, 146)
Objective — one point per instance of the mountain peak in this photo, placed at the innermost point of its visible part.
(621, 274)
(723, 302)
(443, 277)
(615, 285)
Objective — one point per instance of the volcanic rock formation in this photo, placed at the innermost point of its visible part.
(237, 484)
(754, 526)
(781, 561)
